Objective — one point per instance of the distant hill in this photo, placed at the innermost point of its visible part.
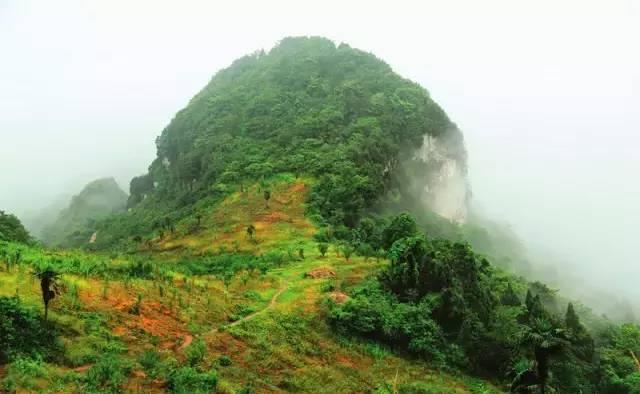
(36, 220)
(97, 200)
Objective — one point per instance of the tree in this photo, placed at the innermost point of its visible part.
(347, 251)
(4, 255)
(583, 344)
(546, 341)
(323, 247)
(571, 319)
(510, 298)
(48, 286)
(365, 250)
(227, 278)
(535, 309)
(251, 231)
(267, 197)
(401, 226)
(12, 230)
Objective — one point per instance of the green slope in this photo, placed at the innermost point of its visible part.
(216, 276)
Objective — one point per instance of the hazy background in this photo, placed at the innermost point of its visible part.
(547, 93)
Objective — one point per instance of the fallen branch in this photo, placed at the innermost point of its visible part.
(635, 359)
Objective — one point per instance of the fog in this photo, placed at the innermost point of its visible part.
(547, 94)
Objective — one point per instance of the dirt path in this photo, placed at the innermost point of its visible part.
(185, 342)
(83, 368)
(272, 303)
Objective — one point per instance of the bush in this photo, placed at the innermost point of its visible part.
(150, 361)
(23, 333)
(139, 269)
(328, 287)
(374, 313)
(323, 247)
(195, 352)
(107, 375)
(224, 360)
(22, 374)
(187, 380)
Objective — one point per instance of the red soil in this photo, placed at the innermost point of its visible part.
(321, 272)
(338, 297)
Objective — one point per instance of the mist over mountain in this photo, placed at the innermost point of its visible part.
(72, 224)
(533, 152)
(36, 220)
(437, 197)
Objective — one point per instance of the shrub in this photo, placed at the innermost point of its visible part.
(23, 333)
(328, 287)
(188, 380)
(22, 374)
(139, 269)
(323, 247)
(195, 352)
(107, 375)
(224, 360)
(135, 308)
(150, 361)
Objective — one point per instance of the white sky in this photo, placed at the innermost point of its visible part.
(547, 93)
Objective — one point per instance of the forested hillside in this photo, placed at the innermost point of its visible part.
(304, 228)
(307, 107)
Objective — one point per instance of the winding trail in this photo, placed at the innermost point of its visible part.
(272, 303)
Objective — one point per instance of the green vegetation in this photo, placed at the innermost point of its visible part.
(23, 333)
(11, 230)
(267, 250)
(441, 301)
(307, 108)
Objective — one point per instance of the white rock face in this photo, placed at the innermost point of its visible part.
(446, 190)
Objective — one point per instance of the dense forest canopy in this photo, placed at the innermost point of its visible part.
(444, 302)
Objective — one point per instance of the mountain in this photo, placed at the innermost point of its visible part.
(304, 228)
(309, 108)
(38, 219)
(74, 224)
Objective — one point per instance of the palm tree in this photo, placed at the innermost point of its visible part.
(547, 341)
(49, 286)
